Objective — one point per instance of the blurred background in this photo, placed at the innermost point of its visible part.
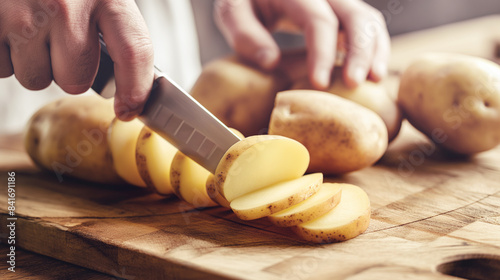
(401, 16)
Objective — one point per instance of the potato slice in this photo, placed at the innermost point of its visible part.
(188, 180)
(122, 140)
(315, 206)
(349, 219)
(211, 189)
(214, 194)
(272, 199)
(259, 161)
(154, 156)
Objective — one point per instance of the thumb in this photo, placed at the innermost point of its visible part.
(131, 50)
(245, 33)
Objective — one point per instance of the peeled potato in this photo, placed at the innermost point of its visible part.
(259, 161)
(122, 141)
(454, 99)
(69, 137)
(153, 157)
(369, 94)
(341, 136)
(240, 95)
(188, 180)
(347, 220)
(318, 204)
(272, 199)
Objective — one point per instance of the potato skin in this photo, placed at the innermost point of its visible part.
(330, 236)
(69, 137)
(371, 95)
(238, 94)
(454, 100)
(341, 136)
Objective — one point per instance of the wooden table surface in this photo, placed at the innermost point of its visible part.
(431, 213)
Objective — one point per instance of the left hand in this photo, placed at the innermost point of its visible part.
(246, 24)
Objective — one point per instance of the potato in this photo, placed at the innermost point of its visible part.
(240, 95)
(259, 161)
(68, 137)
(214, 194)
(188, 180)
(371, 95)
(347, 220)
(153, 157)
(327, 197)
(274, 198)
(212, 191)
(454, 99)
(341, 136)
(122, 141)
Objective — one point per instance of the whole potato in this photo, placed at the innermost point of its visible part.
(369, 94)
(340, 135)
(454, 99)
(69, 137)
(240, 95)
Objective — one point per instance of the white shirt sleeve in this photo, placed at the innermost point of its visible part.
(172, 28)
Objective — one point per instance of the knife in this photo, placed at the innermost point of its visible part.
(174, 115)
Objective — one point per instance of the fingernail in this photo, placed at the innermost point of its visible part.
(124, 113)
(323, 77)
(265, 58)
(357, 74)
(380, 69)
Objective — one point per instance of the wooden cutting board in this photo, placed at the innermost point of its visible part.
(431, 213)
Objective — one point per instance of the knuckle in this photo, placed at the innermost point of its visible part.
(20, 25)
(327, 18)
(29, 18)
(378, 15)
(137, 51)
(111, 4)
(85, 57)
(222, 8)
(359, 54)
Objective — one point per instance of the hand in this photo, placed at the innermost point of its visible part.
(47, 40)
(246, 25)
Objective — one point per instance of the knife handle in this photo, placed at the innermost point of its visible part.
(104, 80)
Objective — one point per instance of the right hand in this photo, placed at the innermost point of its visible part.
(47, 40)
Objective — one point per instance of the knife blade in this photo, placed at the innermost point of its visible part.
(174, 115)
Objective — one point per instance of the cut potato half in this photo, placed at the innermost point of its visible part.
(259, 161)
(188, 180)
(320, 203)
(272, 199)
(214, 194)
(349, 219)
(154, 156)
(122, 140)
